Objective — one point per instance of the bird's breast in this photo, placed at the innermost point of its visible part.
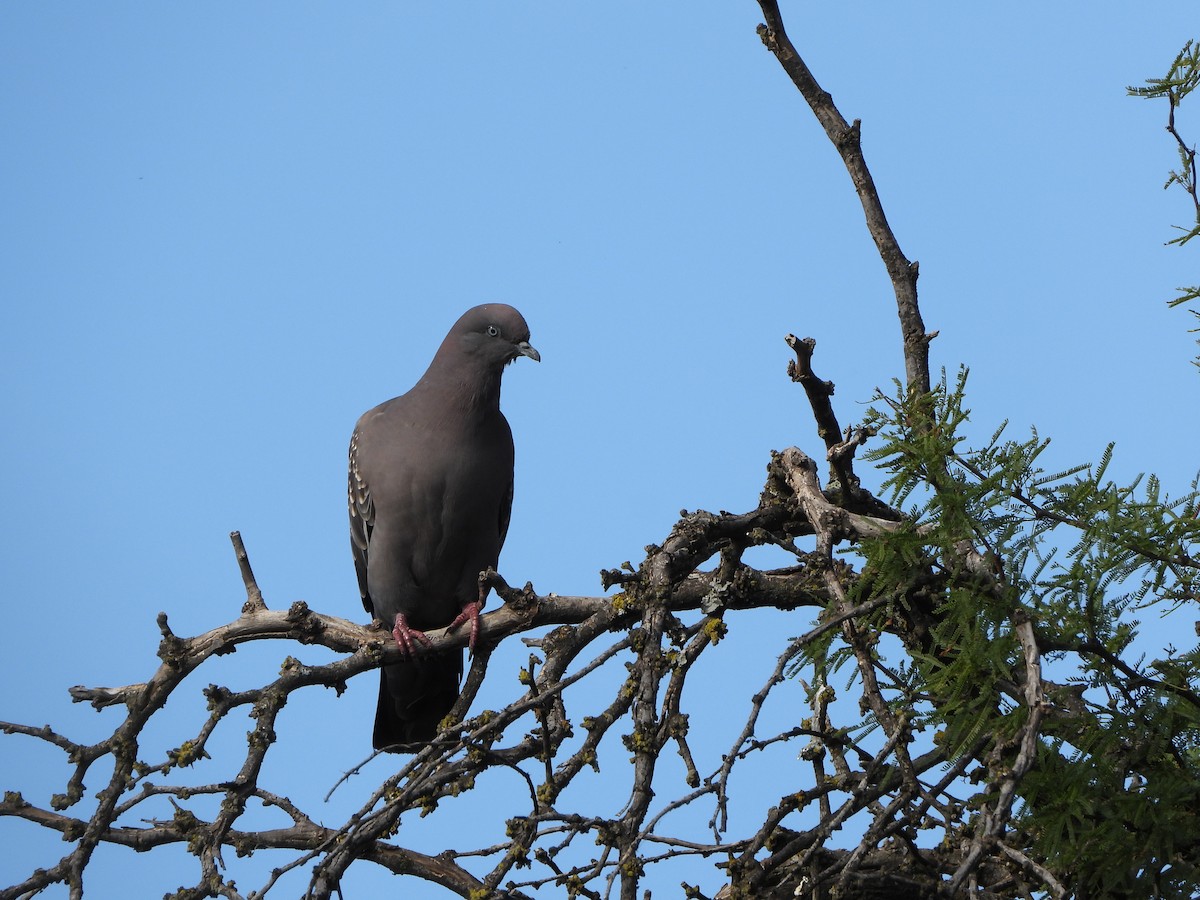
(438, 497)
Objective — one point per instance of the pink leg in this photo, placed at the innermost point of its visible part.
(408, 639)
(470, 613)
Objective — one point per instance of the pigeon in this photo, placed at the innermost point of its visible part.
(430, 493)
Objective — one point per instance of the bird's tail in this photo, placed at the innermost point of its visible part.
(414, 696)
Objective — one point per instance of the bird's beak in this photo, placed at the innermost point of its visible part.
(526, 349)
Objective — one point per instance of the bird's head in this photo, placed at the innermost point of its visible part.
(494, 334)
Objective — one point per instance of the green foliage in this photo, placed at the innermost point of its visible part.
(1181, 79)
(1113, 804)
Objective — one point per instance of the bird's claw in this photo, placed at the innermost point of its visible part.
(408, 639)
(470, 613)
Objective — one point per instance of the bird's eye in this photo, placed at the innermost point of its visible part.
(493, 331)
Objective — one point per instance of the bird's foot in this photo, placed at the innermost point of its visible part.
(408, 639)
(470, 613)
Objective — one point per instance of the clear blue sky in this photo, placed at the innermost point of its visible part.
(228, 229)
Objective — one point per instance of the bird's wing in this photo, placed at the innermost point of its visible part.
(506, 511)
(362, 520)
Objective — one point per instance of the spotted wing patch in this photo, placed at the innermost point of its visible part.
(362, 519)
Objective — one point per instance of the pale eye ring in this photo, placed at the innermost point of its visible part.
(493, 331)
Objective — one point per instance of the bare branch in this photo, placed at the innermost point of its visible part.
(846, 139)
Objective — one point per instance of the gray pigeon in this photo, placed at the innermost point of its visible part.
(431, 488)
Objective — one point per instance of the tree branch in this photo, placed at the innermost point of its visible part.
(846, 139)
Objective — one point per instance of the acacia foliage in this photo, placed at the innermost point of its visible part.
(1181, 79)
(1111, 804)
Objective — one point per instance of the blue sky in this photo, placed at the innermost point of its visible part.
(228, 229)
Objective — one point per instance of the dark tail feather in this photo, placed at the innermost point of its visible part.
(414, 696)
